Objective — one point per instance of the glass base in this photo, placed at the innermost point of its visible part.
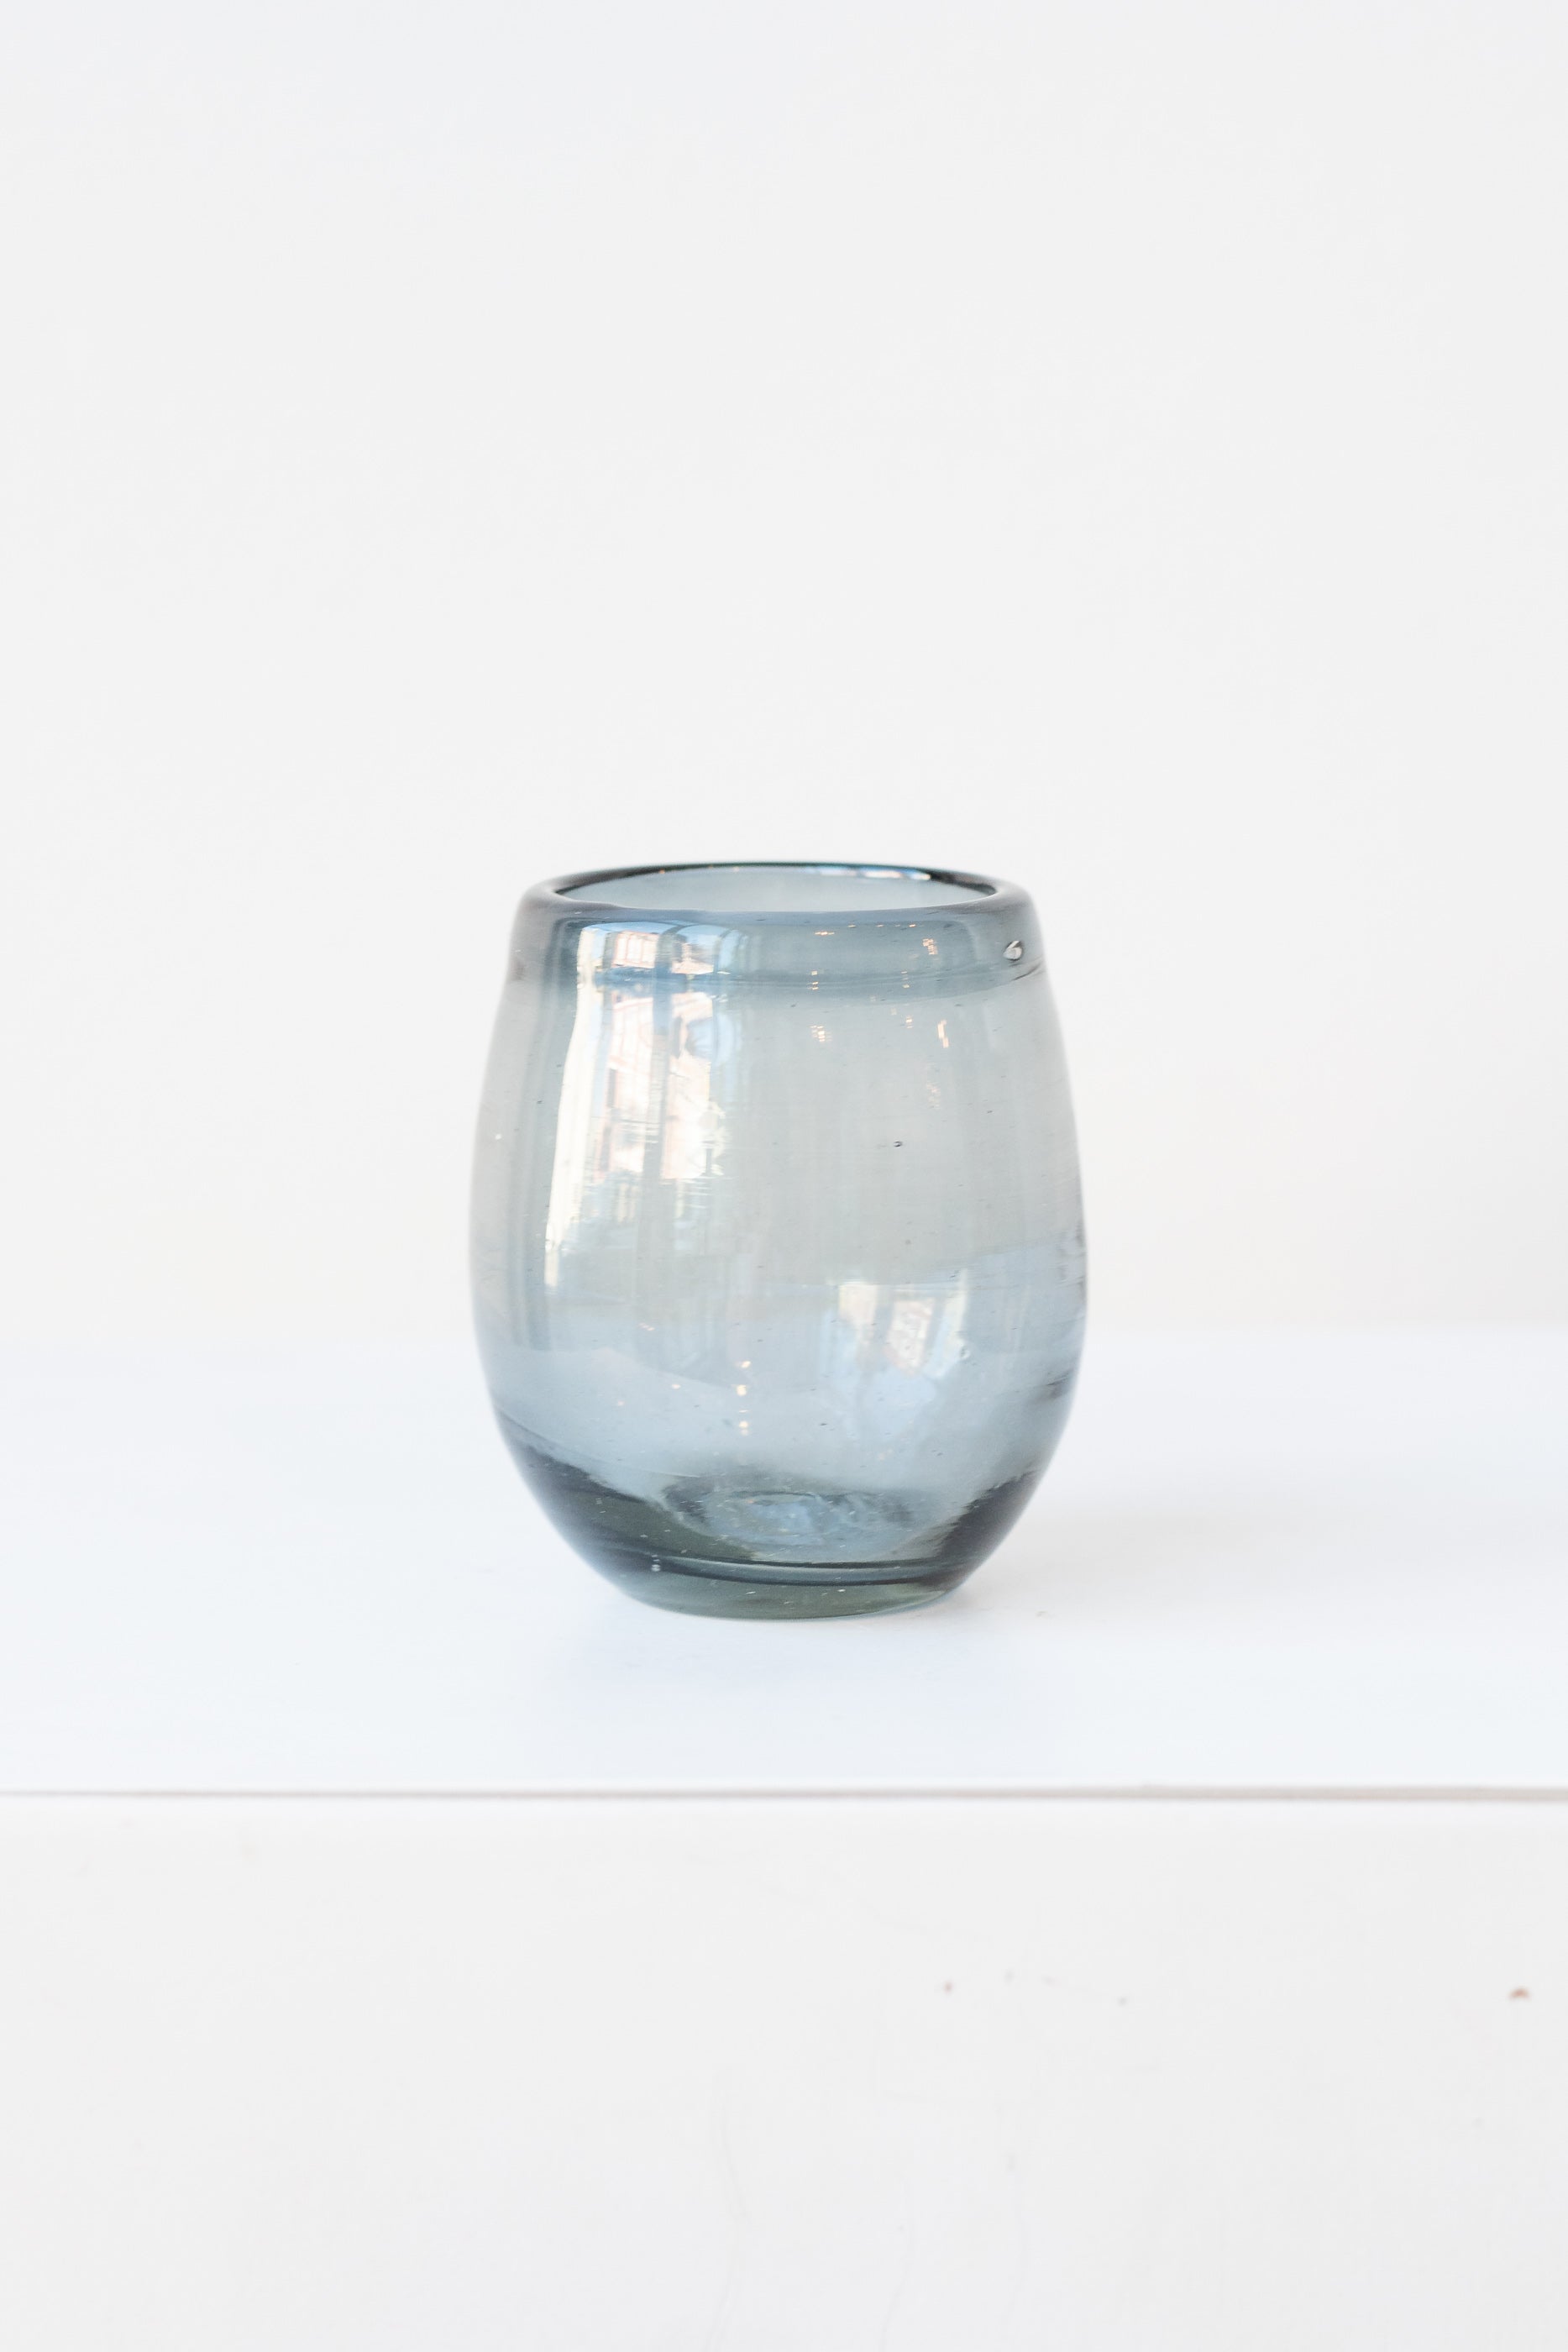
(720, 1591)
(681, 1550)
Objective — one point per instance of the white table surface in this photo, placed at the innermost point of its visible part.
(1298, 1562)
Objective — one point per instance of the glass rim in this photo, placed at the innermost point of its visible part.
(573, 893)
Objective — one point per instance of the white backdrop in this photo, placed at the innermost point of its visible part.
(1120, 446)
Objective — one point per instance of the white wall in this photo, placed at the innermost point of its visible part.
(1118, 446)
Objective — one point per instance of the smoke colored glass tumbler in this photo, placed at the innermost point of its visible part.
(777, 1251)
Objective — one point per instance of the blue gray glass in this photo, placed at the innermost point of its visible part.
(778, 1249)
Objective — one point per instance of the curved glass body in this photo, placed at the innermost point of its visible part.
(778, 1250)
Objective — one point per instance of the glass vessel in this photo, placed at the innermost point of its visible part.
(778, 1250)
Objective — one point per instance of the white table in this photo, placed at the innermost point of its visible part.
(1163, 1942)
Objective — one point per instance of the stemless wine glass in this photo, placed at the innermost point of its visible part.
(778, 1250)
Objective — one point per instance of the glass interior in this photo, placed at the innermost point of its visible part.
(777, 889)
